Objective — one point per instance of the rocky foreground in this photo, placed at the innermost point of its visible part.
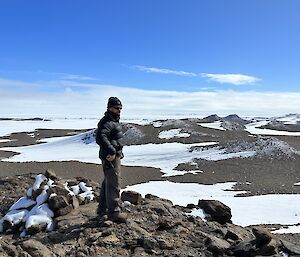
(155, 227)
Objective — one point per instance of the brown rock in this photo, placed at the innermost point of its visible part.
(64, 211)
(217, 245)
(111, 240)
(149, 244)
(59, 189)
(51, 174)
(269, 249)
(235, 233)
(10, 249)
(74, 202)
(290, 248)
(166, 223)
(57, 202)
(34, 229)
(36, 193)
(217, 210)
(140, 231)
(131, 196)
(36, 248)
(164, 244)
(262, 236)
(157, 207)
(244, 249)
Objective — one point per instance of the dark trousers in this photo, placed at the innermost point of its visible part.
(110, 189)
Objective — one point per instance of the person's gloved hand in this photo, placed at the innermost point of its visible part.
(122, 156)
(110, 158)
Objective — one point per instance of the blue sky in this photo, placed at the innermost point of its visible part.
(183, 46)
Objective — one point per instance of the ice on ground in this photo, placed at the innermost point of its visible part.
(168, 134)
(167, 156)
(70, 148)
(288, 229)
(85, 188)
(75, 189)
(87, 192)
(290, 119)
(164, 156)
(7, 140)
(264, 209)
(157, 124)
(212, 125)
(12, 126)
(253, 128)
(22, 203)
(88, 195)
(198, 212)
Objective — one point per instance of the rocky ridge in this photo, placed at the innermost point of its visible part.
(155, 227)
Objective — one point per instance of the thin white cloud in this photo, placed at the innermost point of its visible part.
(235, 79)
(140, 103)
(76, 77)
(164, 71)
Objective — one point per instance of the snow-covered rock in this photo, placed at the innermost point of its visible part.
(22, 203)
(39, 179)
(40, 216)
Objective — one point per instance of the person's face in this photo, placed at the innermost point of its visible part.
(116, 109)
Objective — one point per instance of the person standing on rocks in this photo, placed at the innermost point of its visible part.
(108, 137)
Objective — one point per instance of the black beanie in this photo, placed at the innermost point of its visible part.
(113, 101)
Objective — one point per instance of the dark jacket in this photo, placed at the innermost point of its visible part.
(108, 135)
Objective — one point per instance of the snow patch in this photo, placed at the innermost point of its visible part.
(264, 209)
(213, 125)
(168, 134)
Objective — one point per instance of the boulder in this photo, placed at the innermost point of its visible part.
(217, 245)
(64, 211)
(236, 233)
(164, 244)
(262, 236)
(10, 249)
(290, 248)
(74, 202)
(217, 210)
(131, 196)
(191, 206)
(59, 189)
(244, 249)
(51, 174)
(36, 193)
(34, 229)
(271, 248)
(57, 202)
(166, 223)
(36, 248)
(148, 243)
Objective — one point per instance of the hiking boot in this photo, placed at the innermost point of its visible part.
(118, 217)
(101, 212)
